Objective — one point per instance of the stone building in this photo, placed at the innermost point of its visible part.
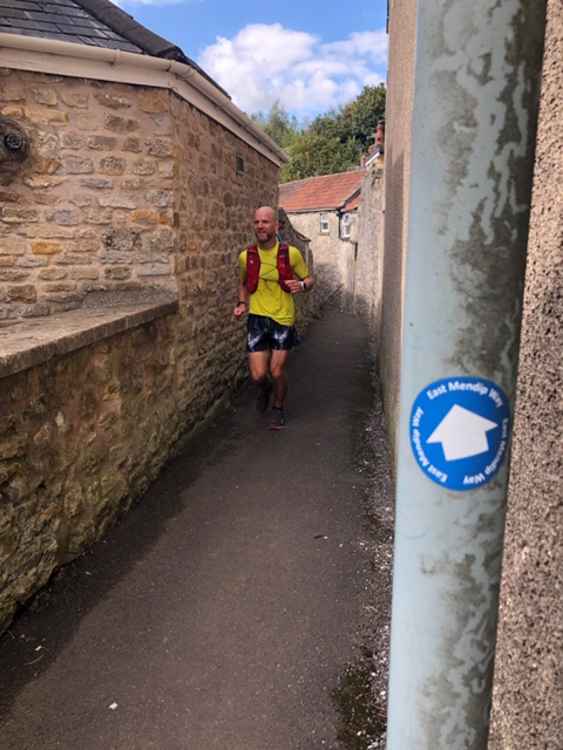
(325, 209)
(128, 181)
(369, 254)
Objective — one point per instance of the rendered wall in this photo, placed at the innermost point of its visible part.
(528, 705)
(334, 258)
(397, 175)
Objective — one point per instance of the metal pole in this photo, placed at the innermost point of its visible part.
(477, 74)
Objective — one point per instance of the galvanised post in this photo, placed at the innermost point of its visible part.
(477, 77)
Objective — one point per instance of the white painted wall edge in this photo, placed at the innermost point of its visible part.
(82, 61)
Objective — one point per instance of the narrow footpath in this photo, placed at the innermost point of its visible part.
(223, 610)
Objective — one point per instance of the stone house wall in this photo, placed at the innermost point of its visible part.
(528, 700)
(92, 208)
(369, 261)
(131, 195)
(334, 257)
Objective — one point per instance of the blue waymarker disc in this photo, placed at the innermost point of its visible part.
(459, 431)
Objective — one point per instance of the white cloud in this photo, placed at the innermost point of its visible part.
(267, 63)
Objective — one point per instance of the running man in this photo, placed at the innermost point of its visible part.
(270, 274)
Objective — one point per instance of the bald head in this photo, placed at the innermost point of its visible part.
(265, 226)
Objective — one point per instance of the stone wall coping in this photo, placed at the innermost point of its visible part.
(31, 342)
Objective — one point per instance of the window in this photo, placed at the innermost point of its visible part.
(324, 227)
(239, 164)
(346, 226)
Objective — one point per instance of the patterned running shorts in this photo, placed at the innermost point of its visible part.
(265, 334)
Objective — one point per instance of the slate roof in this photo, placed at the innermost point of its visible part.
(328, 192)
(97, 23)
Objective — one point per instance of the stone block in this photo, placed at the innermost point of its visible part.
(112, 165)
(9, 196)
(118, 273)
(101, 142)
(75, 100)
(144, 167)
(72, 140)
(121, 240)
(145, 216)
(85, 274)
(159, 198)
(132, 144)
(45, 96)
(13, 111)
(22, 293)
(133, 183)
(13, 274)
(43, 182)
(68, 216)
(46, 247)
(35, 261)
(17, 215)
(77, 165)
(70, 259)
(167, 169)
(12, 93)
(97, 183)
(154, 269)
(115, 200)
(98, 215)
(49, 232)
(59, 286)
(161, 148)
(52, 274)
(153, 101)
(110, 101)
(117, 124)
(13, 246)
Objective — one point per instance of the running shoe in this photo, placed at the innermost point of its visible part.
(278, 420)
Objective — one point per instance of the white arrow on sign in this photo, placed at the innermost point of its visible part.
(462, 433)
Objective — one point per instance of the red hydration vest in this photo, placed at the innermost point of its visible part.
(253, 267)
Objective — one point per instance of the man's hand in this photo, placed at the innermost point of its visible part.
(239, 310)
(295, 286)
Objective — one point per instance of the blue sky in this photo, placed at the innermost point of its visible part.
(308, 55)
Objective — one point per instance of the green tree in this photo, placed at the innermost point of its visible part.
(334, 141)
(279, 125)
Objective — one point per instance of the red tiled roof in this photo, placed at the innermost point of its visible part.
(353, 203)
(330, 191)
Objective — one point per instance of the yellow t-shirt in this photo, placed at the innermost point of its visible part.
(269, 299)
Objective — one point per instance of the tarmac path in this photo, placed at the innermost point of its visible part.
(221, 611)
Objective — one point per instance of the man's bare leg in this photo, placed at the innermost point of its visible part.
(277, 369)
(258, 365)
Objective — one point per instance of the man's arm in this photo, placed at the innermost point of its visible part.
(242, 305)
(304, 281)
(301, 285)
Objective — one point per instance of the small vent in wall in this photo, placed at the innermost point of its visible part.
(240, 164)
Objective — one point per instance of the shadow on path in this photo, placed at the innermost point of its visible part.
(220, 612)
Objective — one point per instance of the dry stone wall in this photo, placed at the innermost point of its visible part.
(127, 189)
